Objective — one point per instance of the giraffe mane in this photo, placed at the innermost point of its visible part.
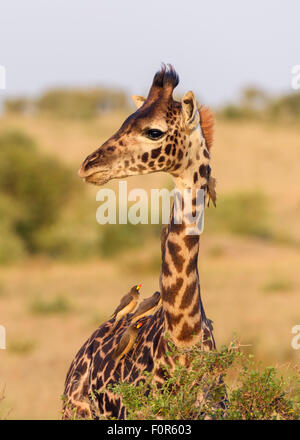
(166, 76)
(207, 122)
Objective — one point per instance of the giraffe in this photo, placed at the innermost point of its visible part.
(162, 135)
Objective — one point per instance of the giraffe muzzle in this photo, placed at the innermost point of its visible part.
(95, 168)
(95, 175)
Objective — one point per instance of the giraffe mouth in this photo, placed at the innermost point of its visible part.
(97, 177)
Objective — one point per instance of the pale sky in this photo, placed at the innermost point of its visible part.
(217, 46)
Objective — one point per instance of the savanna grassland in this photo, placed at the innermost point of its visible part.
(51, 300)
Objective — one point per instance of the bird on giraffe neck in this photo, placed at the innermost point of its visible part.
(127, 341)
(127, 304)
(147, 307)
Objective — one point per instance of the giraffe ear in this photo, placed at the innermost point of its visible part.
(190, 112)
(138, 100)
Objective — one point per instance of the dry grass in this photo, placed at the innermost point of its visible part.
(248, 286)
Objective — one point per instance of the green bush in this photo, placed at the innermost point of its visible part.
(11, 245)
(233, 112)
(286, 108)
(36, 186)
(261, 395)
(256, 104)
(21, 346)
(19, 105)
(53, 306)
(197, 393)
(278, 285)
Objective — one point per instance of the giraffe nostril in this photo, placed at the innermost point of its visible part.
(88, 163)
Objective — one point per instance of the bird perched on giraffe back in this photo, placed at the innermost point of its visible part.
(127, 341)
(147, 307)
(127, 304)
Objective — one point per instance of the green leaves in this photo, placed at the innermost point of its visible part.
(199, 392)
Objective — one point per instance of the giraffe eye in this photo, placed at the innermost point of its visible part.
(154, 134)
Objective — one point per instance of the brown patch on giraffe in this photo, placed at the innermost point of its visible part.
(191, 241)
(172, 319)
(177, 228)
(161, 373)
(165, 269)
(169, 293)
(188, 295)
(155, 153)
(192, 264)
(160, 348)
(188, 332)
(189, 164)
(82, 367)
(203, 170)
(177, 259)
(168, 149)
(195, 310)
(145, 157)
(180, 154)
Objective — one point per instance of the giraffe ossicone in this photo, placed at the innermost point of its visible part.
(174, 137)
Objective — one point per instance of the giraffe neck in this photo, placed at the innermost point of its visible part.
(183, 311)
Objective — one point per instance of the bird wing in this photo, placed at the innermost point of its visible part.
(124, 341)
(145, 305)
(123, 303)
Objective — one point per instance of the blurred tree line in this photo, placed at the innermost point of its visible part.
(254, 103)
(69, 103)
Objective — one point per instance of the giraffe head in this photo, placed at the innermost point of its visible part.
(162, 135)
